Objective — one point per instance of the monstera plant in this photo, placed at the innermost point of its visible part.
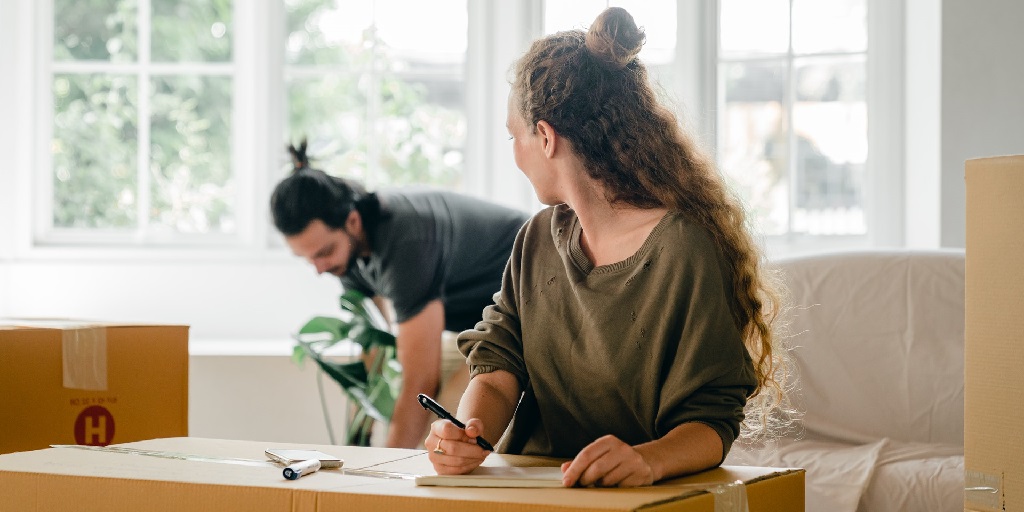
(371, 382)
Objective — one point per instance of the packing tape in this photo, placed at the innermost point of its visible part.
(730, 497)
(84, 357)
(83, 350)
(983, 491)
(235, 460)
(168, 455)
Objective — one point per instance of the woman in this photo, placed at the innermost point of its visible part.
(634, 319)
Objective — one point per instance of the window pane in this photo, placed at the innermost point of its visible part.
(192, 185)
(390, 108)
(437, 27)
(94, 151)
(331, 112)
(753, 140)
(830, 125)
(829, 26)
(421, 132)
(191, 31)
(754, 27)
(571, 14)
(103, 30)
(322, 32)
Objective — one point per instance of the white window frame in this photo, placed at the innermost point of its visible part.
(884, 176)
(499, 32)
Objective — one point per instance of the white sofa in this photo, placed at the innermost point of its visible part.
(878, 344)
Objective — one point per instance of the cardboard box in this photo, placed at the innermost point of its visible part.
(994, 335)
(69, 382)
(216, 475)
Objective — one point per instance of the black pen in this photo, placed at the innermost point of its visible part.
(434, 407)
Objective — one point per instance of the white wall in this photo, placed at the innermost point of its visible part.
(261, 398)
(236, 297)
(982, 95)
(922, 127)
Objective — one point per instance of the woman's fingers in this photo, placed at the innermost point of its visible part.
(451, 450)
(607, 462)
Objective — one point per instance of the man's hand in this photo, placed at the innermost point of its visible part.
(419, 352)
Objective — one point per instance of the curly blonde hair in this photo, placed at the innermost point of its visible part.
(594, 91)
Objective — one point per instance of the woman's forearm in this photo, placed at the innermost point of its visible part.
(688, 448)
(492, 398)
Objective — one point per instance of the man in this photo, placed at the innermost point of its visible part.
(437, 257)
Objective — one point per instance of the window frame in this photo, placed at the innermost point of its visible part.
(498, 34)
(884, 179)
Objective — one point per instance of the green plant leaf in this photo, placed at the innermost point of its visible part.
(372, 391)
(366, 389)
(298, 354)
(336, 328)
(362, 307)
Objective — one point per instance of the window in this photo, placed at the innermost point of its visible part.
(163, 122)
(150, 142)
(141, 126)
(792, 135)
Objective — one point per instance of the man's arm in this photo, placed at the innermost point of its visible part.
(419, 353)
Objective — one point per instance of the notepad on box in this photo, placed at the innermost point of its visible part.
(500, 476)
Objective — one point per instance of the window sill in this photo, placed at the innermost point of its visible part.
(259, 348)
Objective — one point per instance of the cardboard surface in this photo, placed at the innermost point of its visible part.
(994, 334)
(64, 382)
(233, 475)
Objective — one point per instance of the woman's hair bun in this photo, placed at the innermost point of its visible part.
(614, 38)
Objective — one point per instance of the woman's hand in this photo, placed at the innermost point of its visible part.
(454, 451)
(608, 462)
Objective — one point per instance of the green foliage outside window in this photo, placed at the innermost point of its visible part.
(365, 115)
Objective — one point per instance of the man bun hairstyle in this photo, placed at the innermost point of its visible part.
(299, 159)
(307, 194)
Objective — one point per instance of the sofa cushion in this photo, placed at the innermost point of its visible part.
(878, 343)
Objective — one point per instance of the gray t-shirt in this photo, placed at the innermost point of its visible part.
(432, 244)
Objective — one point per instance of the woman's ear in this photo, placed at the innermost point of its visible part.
(549, 138)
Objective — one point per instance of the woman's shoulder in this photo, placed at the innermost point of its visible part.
(688, 235)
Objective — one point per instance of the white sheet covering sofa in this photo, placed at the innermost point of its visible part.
(878, 343)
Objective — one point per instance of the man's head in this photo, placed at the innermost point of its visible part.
(319, 216)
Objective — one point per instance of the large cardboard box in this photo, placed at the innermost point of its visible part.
(217, 475)
(994, 335)
(70, 382)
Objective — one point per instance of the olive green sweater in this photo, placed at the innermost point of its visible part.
(631, 349)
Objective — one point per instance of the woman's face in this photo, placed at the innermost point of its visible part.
(528, 151)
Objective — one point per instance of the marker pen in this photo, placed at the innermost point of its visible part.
(434, 407)
(294, 471)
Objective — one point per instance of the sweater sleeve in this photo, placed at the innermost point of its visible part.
(711, 375)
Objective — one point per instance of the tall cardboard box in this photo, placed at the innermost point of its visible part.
(65, 382)
(994, 335)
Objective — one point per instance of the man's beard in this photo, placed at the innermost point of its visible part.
(353, 258)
